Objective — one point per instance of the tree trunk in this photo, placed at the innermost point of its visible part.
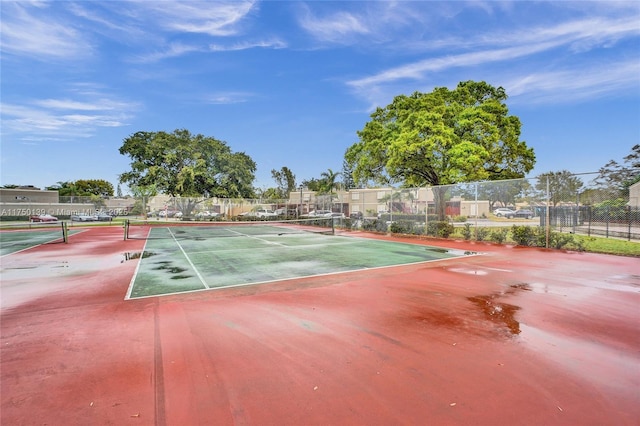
(440, 194)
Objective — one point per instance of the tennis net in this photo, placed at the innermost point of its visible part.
(31, 234)
(200, 231)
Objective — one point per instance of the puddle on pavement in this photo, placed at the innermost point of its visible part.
(137, 255)
(451, 251)
(131, 256)
(521, 286)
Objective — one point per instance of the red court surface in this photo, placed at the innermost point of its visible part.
(516, 336)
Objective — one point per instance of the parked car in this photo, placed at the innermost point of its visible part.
(527, 214)
(356, 215)
(319, 213)
(43, 218)
(206, 215)
(83, 218)
(338, 215)
(285, 212)
(169, 213)
(104, 217)
(503, 212)
(265, 213)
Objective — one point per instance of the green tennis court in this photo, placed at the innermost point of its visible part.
(192, 258)
(21, 237)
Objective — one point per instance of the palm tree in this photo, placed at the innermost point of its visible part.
(328, 184)
(329, 179)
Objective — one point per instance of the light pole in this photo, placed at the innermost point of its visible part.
(300, 209)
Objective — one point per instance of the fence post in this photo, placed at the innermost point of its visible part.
(576, 216)
(426, 209)
(629, 223)
(476, 220)
(548, 217)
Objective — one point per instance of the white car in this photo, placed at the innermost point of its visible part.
(320, 213)
(265, 213)
(206, 215)
(83, 218)
(503, 212)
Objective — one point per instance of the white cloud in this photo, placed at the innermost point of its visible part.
(417, 70)
(53, 119)
(569, 44)
(569, 85)
(28, 31)
(266, 44)
(225, 98)
(335, 27)
(173, 50)
(212, 18)
(69, 104)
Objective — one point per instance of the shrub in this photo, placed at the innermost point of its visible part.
(440, 229)
(499, 235)
(459, 219)
(481, 234)
(559, 240)
(529, 236)
(524, 235)
(466, 231)
(402, 227)
(369, 225)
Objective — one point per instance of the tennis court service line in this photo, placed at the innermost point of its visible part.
(204, 283)
(256, 238)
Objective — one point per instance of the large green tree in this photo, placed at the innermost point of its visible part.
(615, 178)
(440, 138)
(65, 189)
(84, 187)
(94, 187)
(286, 181)
(185, 165)
(563, 186)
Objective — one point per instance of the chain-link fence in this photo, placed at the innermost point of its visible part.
(558, 202)
(565, 203)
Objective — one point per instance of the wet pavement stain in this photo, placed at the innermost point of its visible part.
(499, 313)
(180, 277)
(521, 286)
(175, 271)
(170, 269)
(437, 249)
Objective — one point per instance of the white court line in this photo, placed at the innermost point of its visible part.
(345, 242)
(256, 238)
(296, 246)
(301, 277)
(135, 273)
(204, 283)
(39, 244)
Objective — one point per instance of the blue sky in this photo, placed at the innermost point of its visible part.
(290, 83)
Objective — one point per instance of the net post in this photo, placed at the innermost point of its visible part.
(65, 232)
(126, 229)
(333, 226)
